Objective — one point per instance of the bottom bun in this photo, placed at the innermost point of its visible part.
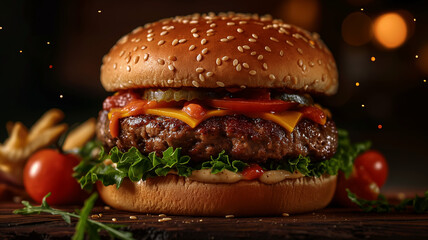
(176, 195)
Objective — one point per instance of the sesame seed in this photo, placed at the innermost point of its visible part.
(246, 47)
(182, 40)
(128, 59)
(281, 53)
(260, 57)
(210, 34)
(172, 58)
(253, 53)
(213, 25)
(218, 61)
(225, 58)
(254, 35)
(193, 30)
(304, 67)
(161, 61)
(223, 40)
(114, 65)
(245, 65)
(235, 62)
(195, 35)
(288, 78)
(135, 48)
(201, 77)
(319, 61)
(164, 219)
(204, 51)
(170, 81)
(300, 50)
(194, 22)
(210, 30)
(174, 42)
(265, 66)
(136, 59)
(209, 74)
(285, 214)
(289, 43)
(252, 72)
(238, 67)
(230, 23)
(132, 217)
(149, 39)
(192, 47)
(300, 62)
(220, 84)
(242, 22)
(128, 68)
(196, 84)
(252, 40)
(230, 37)
(199, 58)
(161, 42)
(164, 33)
(121, 53)
(146, 56)
(229, 216)
(95, 216)
(273, 39)
(203, 41)
(171, 67)
(150, 31)
(150, 35)
(240, 49)
(162, 215)
(143, 47)
(311, 63)
(243, 86)
(108, 207)
(268, 49)
(240, 30)
(272, 77)
(114, 219)
(199, 70)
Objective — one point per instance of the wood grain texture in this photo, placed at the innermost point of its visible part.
(327, 223)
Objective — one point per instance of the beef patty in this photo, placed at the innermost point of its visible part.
(247, 139)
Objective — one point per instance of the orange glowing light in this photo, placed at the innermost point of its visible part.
(416, 56)
(357, 84)
(379, 126)
(373, 59)
(50, 66)
(99, 11)
(390, 30)
(362, 105)
(1, 28)
(303, 13)
(425, 80)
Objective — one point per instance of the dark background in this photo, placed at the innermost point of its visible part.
(62, 43)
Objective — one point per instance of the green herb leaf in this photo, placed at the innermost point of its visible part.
(381, 205)
(84, 225)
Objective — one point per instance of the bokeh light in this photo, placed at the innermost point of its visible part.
(303, 13)
(390, 30)
(422, 60)
(356, 29)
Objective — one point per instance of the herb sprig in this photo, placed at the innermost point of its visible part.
(381, 205)
(84, 225)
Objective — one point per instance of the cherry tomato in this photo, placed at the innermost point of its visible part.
(375, 164)
(253, 171)
(314, 114)
(368, 175)
(50, 171)
(194, 110)
(251, 105)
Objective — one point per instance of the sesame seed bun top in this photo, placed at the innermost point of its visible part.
(224, 50)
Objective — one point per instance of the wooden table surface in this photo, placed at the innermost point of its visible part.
(328, 223)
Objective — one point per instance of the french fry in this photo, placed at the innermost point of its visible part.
(18, 137)
(80, 135)
(49, 119)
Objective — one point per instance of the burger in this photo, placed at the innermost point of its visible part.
(212, 114)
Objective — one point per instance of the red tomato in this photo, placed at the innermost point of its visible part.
(375, 164)
(250, 105)
(368, 175)
(314, 114)
(50, 171)
(253, 171)
(194, 110)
